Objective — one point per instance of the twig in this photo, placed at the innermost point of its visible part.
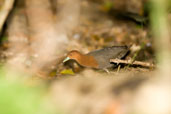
(119, 67)
(138, 63)
(4, 11)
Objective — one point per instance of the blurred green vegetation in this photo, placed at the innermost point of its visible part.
(159, 22)
(107, 6)
(17, 97)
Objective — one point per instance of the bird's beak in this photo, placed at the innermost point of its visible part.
(66, 59)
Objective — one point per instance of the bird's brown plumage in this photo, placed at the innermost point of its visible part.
(99, 59)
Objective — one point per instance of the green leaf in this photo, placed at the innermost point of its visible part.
(67, 71)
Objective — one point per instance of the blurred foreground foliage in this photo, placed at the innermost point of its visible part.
(19, 98)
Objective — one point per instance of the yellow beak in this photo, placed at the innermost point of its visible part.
(66, 59)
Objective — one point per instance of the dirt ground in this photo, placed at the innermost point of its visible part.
(98, 29)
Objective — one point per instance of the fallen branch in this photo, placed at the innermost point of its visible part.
(4, 11)
(130, 62)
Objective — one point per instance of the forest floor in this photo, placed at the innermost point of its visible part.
(98, 29)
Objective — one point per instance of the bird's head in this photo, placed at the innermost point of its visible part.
(73, 55)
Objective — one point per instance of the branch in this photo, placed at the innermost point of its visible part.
(137, 63)
(4, 11)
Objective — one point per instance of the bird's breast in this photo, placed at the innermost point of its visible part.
(88, 61)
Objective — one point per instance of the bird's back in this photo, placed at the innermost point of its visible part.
(103, 56)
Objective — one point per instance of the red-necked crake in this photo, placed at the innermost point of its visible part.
(98, 59)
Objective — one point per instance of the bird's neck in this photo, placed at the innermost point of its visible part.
(88, 61)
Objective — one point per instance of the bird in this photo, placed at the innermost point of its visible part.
(98, 59)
